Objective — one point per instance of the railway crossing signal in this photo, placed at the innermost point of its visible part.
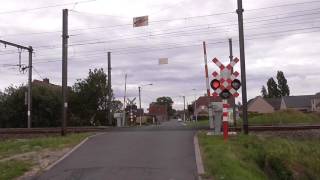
(225, 84)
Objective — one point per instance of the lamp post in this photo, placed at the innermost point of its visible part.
(139, 88)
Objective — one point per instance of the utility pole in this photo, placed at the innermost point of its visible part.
(210, 111)
(243, 68)
(184, 108)
(139, 88)
(124, 100)
(65, 37)
(30, 50)
(232, 98)
(195, 106)
(109, 89)
(29, 98)
(140, 114)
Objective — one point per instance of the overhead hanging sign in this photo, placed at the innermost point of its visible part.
(163, 61)
(140, 21)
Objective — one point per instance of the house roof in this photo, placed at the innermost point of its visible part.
(298, 101)
(274, 102)
(251, 101)
(203, 100)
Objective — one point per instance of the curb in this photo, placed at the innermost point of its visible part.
(71, 151)
(199, 163)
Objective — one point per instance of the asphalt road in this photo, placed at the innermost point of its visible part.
(161, 154)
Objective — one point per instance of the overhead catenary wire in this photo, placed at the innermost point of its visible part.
(164, 20)
(44, 7)
(162, 34)
(158, 49)
(177, 33)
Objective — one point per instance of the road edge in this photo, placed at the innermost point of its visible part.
(200, 168)
(70, 152)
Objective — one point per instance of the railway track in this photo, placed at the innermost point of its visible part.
(50, 130)
(12, 131)
(279, 127)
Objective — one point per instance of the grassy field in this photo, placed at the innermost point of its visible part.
(276, 118)
(252, 157)
(10, 169)
(199, 123)
(18, 146)
(282, 117)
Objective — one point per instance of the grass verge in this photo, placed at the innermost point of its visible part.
(284, 117)
(18, 146)
(199, 123)
(12, 169)
(253, 157)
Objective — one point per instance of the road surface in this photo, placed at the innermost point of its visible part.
(148, 153)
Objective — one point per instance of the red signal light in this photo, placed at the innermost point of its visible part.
(215, 84)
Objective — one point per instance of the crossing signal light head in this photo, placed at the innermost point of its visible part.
(225, 94)
(236, 84)
(215, 84)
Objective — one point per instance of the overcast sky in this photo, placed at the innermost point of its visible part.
(280, 35)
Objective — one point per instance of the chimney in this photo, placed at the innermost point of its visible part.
(46, 80)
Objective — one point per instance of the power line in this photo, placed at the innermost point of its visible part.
(163, 20)
(284, 5)
(44, 7)
(37, 72)
(252, 37)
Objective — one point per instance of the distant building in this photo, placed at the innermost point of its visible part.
(45, 82)
(304, 103)
(159, 111)
(201, 104)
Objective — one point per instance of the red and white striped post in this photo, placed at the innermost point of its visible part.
(225, 106)
(206, 68)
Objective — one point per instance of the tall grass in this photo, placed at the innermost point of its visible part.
(252, 157)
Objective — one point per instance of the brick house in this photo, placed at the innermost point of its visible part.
(160, 112)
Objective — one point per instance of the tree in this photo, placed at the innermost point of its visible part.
(13, 112)
(282, 84)
(46, 107)
(264, 92)
(273, 90)
(89, 99)
(166, 101)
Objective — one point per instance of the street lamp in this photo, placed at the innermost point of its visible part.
(140, 114)
(195, 106)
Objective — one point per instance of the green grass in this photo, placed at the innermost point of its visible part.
(17, 146)
(283, 117)
(252, 157)
(13, 169)
(201, 123)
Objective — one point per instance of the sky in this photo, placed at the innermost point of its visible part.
(279, 35)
